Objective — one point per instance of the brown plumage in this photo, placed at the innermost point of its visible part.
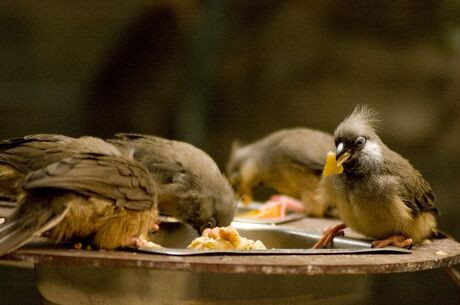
(190, 185)
(290, 161)
(379, 194)
(107, 199)
(19, 156)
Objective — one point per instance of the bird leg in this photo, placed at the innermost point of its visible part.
(245, 192)
(400, 241)
(328, 235)
(246, 199)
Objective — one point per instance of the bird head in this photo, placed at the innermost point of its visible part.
(215, 212)
(358, 146)
(213, 206)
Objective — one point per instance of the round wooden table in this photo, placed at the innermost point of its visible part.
(67, 276)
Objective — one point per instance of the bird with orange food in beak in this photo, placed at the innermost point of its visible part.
(377, 192)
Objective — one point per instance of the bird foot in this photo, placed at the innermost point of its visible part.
(328, 235)
(155, 228)
(399, 241)
(290, 203)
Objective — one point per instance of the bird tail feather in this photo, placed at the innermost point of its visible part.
(25, 224)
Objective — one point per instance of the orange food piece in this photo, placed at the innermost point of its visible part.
(331, 167)
(274, 210)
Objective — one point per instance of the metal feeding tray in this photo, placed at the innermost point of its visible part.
(253, 206)
(175, 236)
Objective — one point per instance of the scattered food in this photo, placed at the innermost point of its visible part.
(277, 207)
(2, 220)
(142, 242)
(269, 210)
(151, 245)
(224, 238)
(442, 253)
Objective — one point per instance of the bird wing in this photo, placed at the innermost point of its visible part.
(415, 191)
(162, 157)
(312, 164)
(117, 178)
(305, 155)
(140, 138)
(14, 142)
(152, 152)
(33, 151)
(417, 194)
(165, 161)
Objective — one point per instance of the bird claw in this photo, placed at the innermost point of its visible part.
(399, 241)
(328, 235)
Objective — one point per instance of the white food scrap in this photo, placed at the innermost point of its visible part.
(224, 238)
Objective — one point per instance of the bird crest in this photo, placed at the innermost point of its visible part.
(363, 120)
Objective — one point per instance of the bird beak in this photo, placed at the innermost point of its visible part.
(342, 154)
(201, 228)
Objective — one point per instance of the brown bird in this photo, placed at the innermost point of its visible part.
(379, 194)
(19, 156)
(290, 161)
(110, 200)
(190, 186)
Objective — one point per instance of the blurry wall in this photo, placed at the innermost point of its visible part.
(211, 71)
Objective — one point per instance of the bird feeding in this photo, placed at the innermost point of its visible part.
(289, 161)
(380, 187)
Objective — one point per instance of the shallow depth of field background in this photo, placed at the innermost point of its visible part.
(211, 71)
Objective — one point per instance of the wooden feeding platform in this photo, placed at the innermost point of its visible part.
(65, 274)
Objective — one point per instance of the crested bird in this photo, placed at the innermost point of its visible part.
(379, 194)
(289, 161)
(109, 200)
(19, 156)
(190, 185)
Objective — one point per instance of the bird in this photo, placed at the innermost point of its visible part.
(379, 194)
(290, 161)
(19, 156)
(191, 187)
(106, 199)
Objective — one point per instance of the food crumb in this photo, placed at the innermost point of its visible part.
(224, 238)
(440, 252)
(426, 242)
(78, 246)
(2, 220)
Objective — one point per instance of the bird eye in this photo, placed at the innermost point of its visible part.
(211, 222)
(360, 142)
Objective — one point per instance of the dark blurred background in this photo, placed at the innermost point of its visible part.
(208, 72)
